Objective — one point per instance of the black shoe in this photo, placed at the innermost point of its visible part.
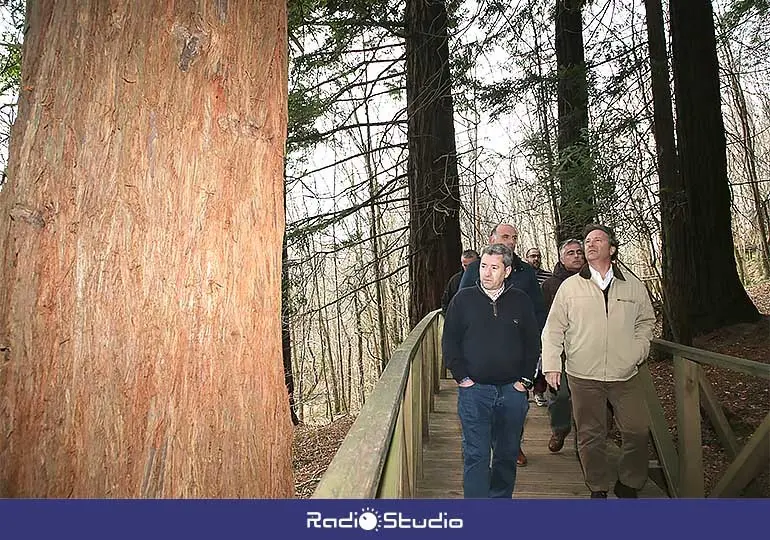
(622, 491)
(598, 494)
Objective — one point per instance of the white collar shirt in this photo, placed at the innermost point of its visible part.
(494, 295)
(597, 277)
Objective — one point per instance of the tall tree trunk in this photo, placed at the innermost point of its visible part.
(717, 295)
(576, 206)
(140, 244)
(434, 189)
(673, 202)
(543, 110)
(344, 405)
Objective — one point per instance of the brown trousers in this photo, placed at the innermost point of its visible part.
(589, 407)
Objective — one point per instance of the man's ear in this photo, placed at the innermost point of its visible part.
(613, 250)
(508, 271)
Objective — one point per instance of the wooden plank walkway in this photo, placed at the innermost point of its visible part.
(546, 476)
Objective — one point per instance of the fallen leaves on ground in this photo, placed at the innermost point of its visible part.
(314, 447)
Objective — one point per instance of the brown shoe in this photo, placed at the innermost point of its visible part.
(556, 442)
(521, 461)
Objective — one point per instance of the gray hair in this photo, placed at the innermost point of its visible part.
(499, 249)
(569, 242)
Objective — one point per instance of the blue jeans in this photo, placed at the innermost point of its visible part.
(492, 419)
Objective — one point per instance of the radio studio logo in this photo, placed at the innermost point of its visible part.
(370, 519)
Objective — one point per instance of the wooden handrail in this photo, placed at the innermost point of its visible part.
(750, 367)
(358, 466)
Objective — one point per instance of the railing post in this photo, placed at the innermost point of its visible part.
(435, 376)
(426, 389)
(688, 428)
(443, 370)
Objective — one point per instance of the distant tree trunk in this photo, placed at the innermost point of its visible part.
(140, 253)
(717, 295)
(344, 405)
(434, 190)
(327, 351)
(575, 169)
(288, 372)
(673, 202)
(358, 310)
(545, 123)
(749, 157)
(374, 235)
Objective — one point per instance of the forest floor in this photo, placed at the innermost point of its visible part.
(745, 401)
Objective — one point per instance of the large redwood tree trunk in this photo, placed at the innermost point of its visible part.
(140, 244)
(434, 188)
(673, 200)
(716, 295)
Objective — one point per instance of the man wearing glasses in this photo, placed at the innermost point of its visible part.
(535, 260)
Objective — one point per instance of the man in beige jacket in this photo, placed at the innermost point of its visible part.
(603, 321)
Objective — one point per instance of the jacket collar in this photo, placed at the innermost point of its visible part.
(585, 272)
(518, 264)
(562, 273)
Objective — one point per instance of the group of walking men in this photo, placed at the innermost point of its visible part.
(575, 337)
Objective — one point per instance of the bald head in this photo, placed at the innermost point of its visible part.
(506, 234)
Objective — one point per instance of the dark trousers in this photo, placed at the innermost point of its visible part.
(492, 418)
(560, 406)
(589, 405)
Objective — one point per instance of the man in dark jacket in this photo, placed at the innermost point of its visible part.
(491, 344)
(571, 260)
(468, 256)
(522, 276)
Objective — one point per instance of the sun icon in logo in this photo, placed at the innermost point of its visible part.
(369, 520)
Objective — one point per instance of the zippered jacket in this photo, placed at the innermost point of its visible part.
(492, 342)
(604, 338)
(522, 277)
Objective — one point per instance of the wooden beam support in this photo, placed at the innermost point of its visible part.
(713, 408)
(754, 456)
(661, 437)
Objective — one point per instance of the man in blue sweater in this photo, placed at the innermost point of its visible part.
(491, 344)
(522, 276)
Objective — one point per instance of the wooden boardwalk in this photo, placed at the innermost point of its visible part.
(546, 476)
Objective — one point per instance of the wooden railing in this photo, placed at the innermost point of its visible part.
(683, 467)
(381, 457)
